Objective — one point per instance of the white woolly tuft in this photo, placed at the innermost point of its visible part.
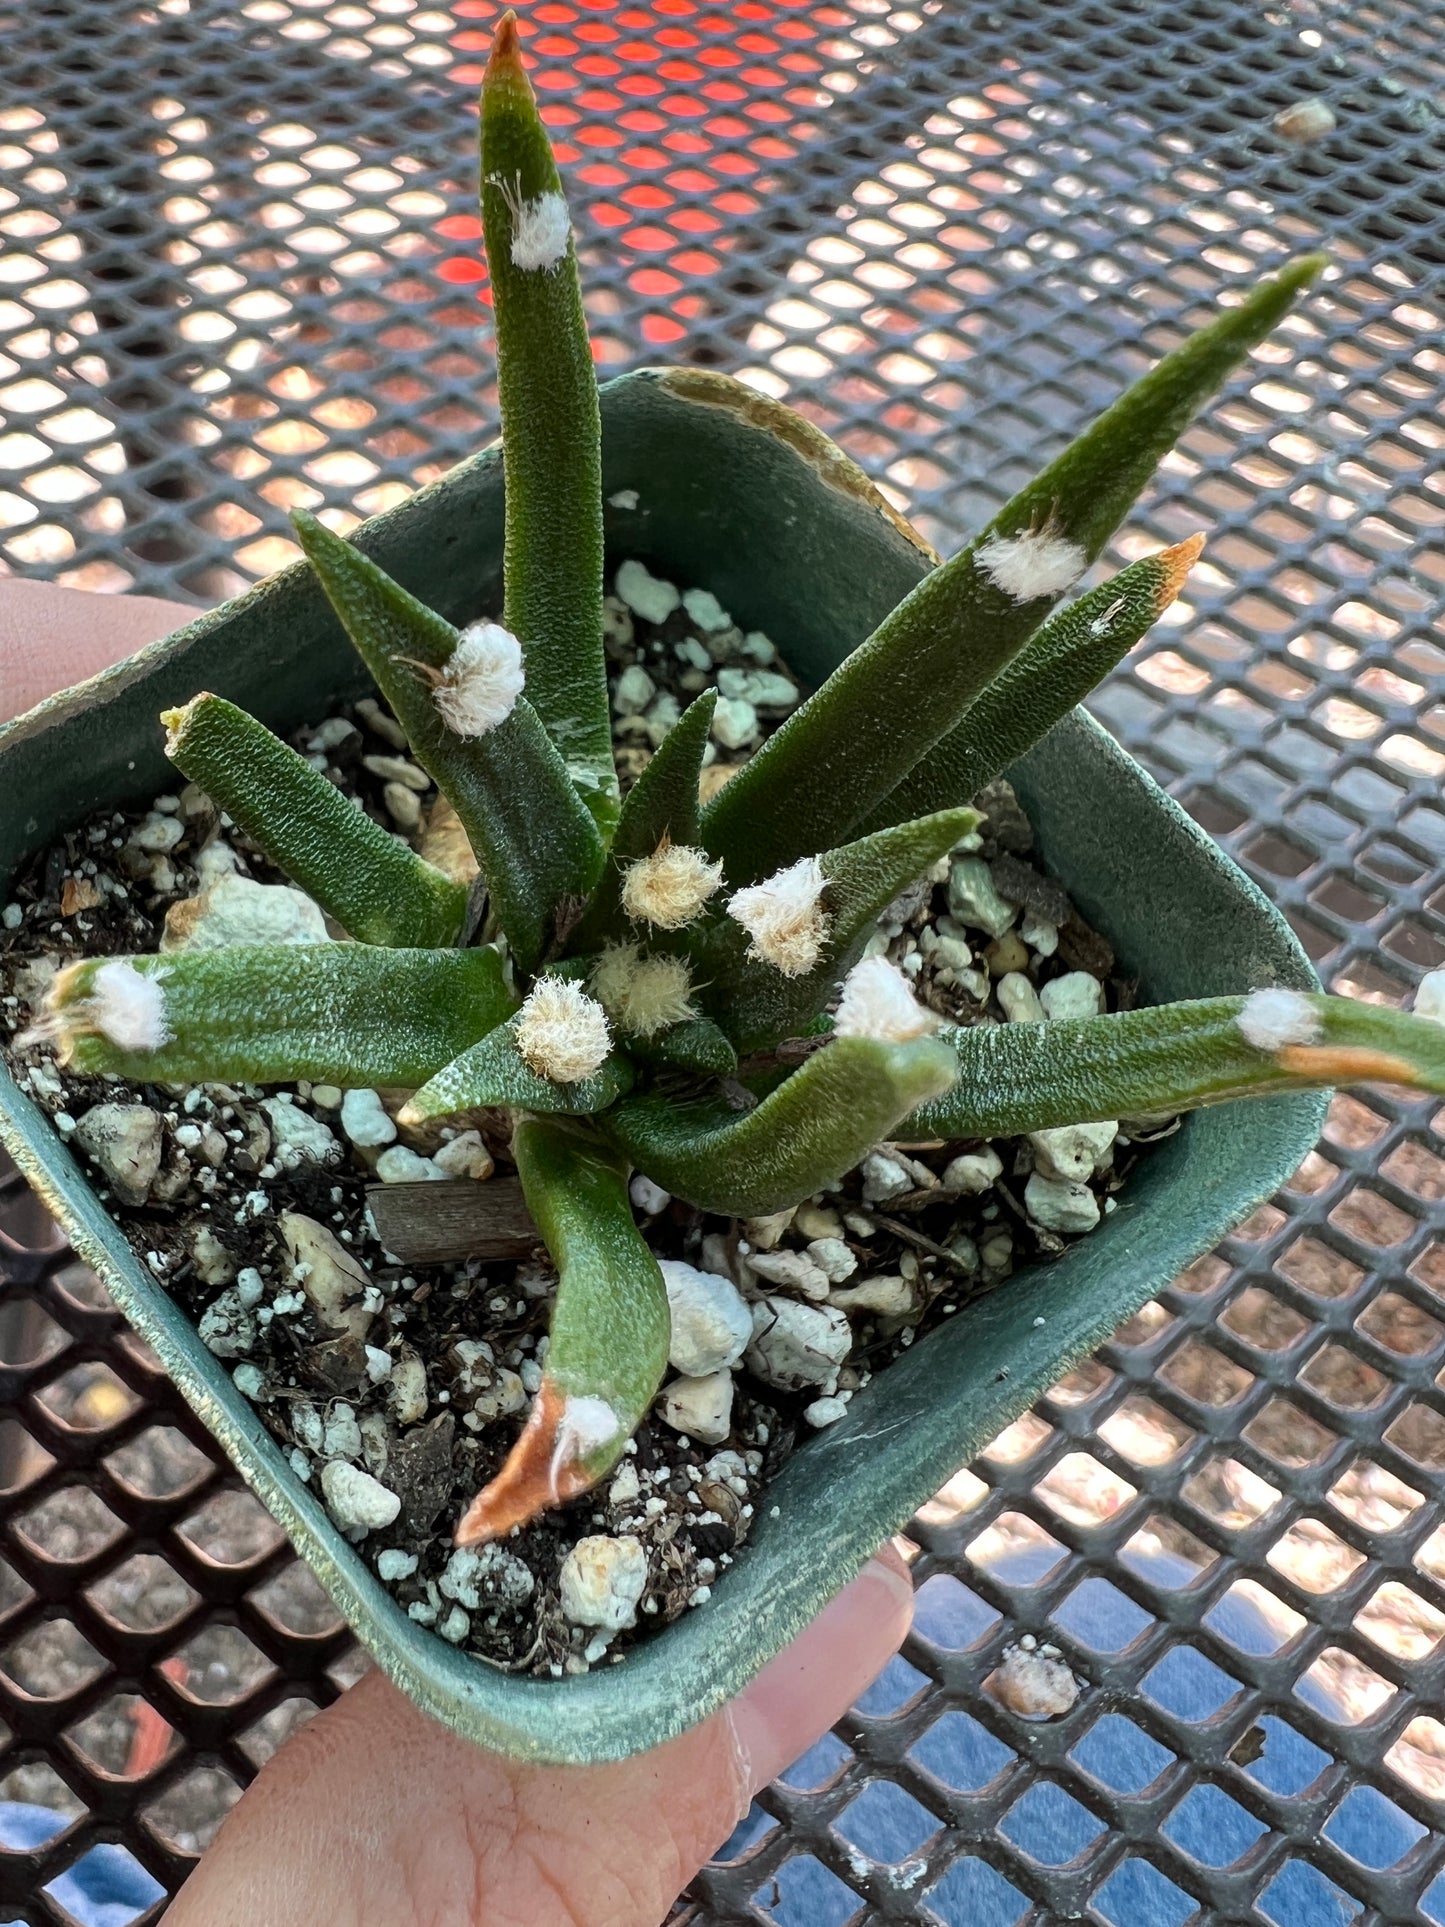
(585, 1424)
(1430, 997)
(541, 230)
(481, 680)
(1036, 563)
(878, 1001)
(562, 1033)
(669, 887)
(1273, 1019)
(642, 995)
(126, 1008)
(785, 917)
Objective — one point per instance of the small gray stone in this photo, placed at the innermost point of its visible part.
(834, 1259)
(973, 899)
(1060, 1206)
(125, 1142)
(634, 691)
(884, 1178)
(464, 1156)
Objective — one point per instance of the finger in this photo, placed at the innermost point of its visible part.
(375, 1816)
(51, 637)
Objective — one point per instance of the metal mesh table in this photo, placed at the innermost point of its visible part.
(239, 273)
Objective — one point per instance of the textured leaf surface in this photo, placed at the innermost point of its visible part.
(755, 1003)
(610, 1328)
(693, 1046)
(1072, 653)
(848, 747)
(536, 842)
(377, 889)
(1167, 1058)
(551, 439)
(492, 1072)
(814, 1126)
(336, 1013)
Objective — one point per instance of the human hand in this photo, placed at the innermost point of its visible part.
(374, 1816)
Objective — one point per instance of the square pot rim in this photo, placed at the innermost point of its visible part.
(672, 1680)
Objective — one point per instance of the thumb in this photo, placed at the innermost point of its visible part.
(374, 1816)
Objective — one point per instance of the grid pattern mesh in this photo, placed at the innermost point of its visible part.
(240, 274)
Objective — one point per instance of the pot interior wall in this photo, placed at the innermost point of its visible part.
(794, 545)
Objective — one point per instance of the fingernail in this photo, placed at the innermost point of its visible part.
(813, 1682)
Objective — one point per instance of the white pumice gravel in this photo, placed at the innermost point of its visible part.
(711, 1322)
(1076, 994)
(645, 594)
(234, 910)
(464, 1156)
(1018, 999)
(125, 1140)
(1073, 1152)
(355, 1500)
(699, 1408)
(973, 899)
(297, 1137)
(825, 1411)
(399, 1164)
(796, 1344)
(365, 1121)
(973, 1172)
(602, 1582)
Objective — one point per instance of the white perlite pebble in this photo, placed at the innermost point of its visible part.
(833, 1258)
(763, 688)
(634, 691)
(355, 1500)
(645, 594)
(734, 723)
(394, 1564)
(399, 1164)
(234, 910)
(1059, 1206)
(214, 1265)
(792, 1270)
(1033, 1684)
(476, 1576)
(297, 1137)
(1072, 1151)
(1018, 999)
(973, 900)
(711, 1323)
(884, 1178)
(972, 1173)
(1430, 997)
(364, 1120)
(1273, 1019)
(795, 1344)
(341, 1433)
(464, 1156)
(602, 1580)
(887, 1296)
(1036, 562)
(699, 1408)
(227, 1327)
(1075, 994)
(706, 611)
(125, 1142)
(648, 1197)
(825, 1411)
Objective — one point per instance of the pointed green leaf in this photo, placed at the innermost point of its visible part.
(662, 803)
(808, 1131)
(1070, 655)
(336, 1013)
(841, 754)
(551, 432)
(753, 1001)
(694, 1046)
(492, 1072)
(1174, 1057)
(611, 1329)
(537, 845)
(377, 889)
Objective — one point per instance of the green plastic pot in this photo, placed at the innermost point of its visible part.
(738, 496)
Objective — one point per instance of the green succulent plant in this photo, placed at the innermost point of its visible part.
(620, 956)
